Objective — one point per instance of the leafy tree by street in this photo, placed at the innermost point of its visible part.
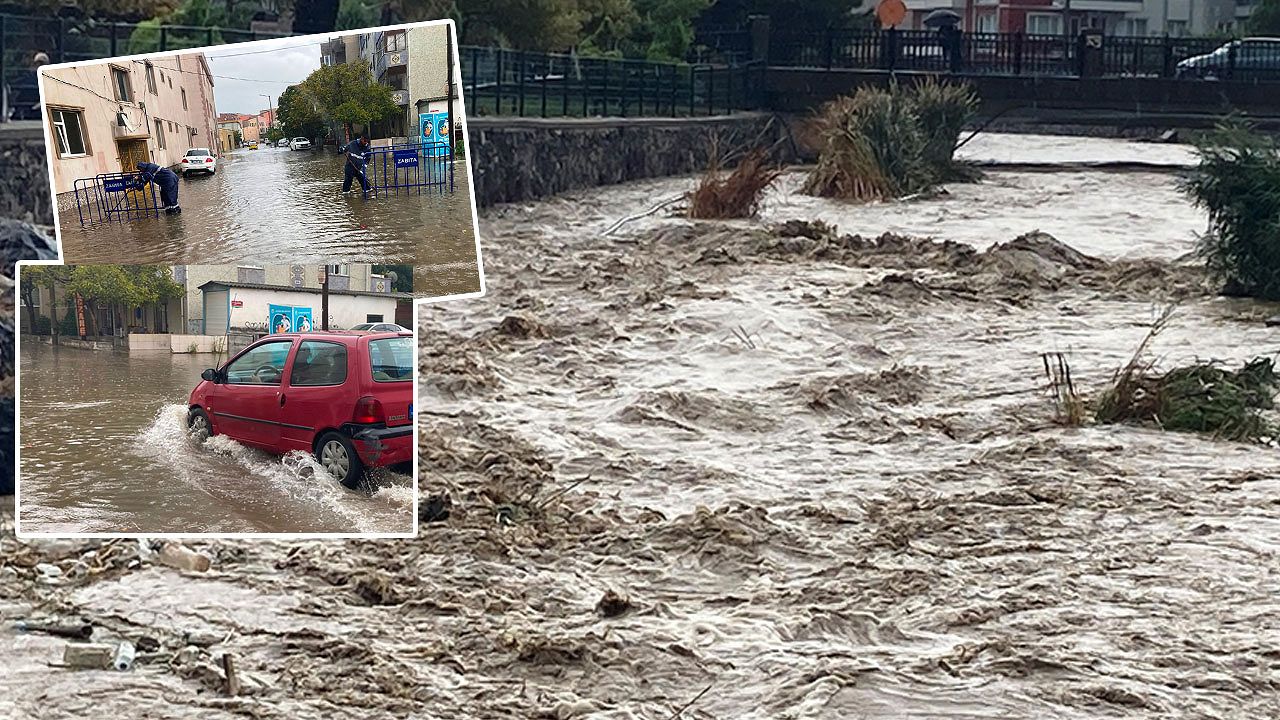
(298, 116)
(194, 13)
(119, 287)
(346, 93)
(36, 277)
(404, 276)
(1265, 18)
(274, 134)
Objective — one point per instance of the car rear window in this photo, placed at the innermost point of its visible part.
(391, 359)
(201, 152)
(319, 363)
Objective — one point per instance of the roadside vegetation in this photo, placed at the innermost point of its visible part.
(1238, 183)
(879, 144)
(737, 194)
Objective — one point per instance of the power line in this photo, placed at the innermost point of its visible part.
(259, 52)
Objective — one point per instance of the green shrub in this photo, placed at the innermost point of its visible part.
(44, 326)
(1238, 183)
(879, 144)
(68, 326)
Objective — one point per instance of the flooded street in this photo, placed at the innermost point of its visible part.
(274, 205)
(820, 473)
(104, 449)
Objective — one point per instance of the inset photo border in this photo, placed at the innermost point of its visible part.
(211, 401)
(343, 147)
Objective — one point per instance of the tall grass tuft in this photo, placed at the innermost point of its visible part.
(1238, 183)
(880, 144)
(736, 195)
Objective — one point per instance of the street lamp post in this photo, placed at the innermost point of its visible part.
(271, 115)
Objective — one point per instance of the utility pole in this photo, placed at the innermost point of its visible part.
(324, 301)
(271, 115)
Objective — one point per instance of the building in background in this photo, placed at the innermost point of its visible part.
(107, 117)
(249, 130)
(230, 121)
(414, 63)
(1177, 18)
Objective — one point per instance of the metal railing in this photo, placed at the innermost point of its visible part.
(1027, 54)
(115, 197)
(69, 40)
(529, 84)
(410, 168)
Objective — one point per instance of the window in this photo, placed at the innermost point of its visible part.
(1177, 28)
(160, 133)
(184, 98)
(1044, 24)
(373, 318)
(120, 81)
(987, 23)
(396, 42)
(391, 359)
(151, 78)
(261, 365)
(339, 269)
(319, 363)
(68, 130)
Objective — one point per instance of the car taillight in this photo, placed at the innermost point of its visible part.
(368, 411)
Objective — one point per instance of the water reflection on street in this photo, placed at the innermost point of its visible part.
(274, 205)
(105, 449)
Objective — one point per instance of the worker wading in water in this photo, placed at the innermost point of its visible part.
(354, 167)
(165, 179)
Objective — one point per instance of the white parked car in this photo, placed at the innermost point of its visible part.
(198, 160)
(300, 143)
(379, 327)
(284, 142)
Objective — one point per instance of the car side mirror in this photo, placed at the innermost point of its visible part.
(211, 375)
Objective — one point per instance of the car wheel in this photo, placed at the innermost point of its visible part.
(338, 456)
(198, 425)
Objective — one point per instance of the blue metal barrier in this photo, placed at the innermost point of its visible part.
(410, 167)
(114, 197)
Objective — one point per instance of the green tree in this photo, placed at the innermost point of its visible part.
(1238, 183)
(403, 276)
(193, 13)
(356, 14)
(347, 94)
(274, 134)
(237, 137)
(298, 116)
(41, 276)
(666, 28)
(119, 287)
(1265, 18)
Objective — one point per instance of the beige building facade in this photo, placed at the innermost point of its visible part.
(107, 117)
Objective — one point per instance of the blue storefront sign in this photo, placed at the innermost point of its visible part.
(288, 318)
(406, 158)
(116, 185)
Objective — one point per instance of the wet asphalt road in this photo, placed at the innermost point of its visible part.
(274, 205)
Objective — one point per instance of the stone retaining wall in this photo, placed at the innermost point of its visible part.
(518, 159)
(24, 174)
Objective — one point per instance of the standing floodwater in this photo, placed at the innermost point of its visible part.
(125, 464)
(279, 206)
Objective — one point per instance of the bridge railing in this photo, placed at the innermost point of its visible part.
(1025, 54)
(498, 81)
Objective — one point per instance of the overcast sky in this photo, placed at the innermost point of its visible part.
(264, 68)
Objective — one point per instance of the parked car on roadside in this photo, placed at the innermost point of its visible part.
(379, 327)
(1247, 59)
(300, 143)
(347, 398)
(283, 142)
(198, 160)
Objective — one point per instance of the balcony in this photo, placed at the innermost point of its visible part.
(391, 61)
(401, 97)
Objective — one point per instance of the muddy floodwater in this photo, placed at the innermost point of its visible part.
(758, 473)
(274, 205)
(105, 449)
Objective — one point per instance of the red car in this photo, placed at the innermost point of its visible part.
(345, 397)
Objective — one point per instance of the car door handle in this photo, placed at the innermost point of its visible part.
(281, 399)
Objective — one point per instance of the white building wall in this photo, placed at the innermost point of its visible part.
(344, 310)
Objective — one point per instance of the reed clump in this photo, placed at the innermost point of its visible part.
(879, 144)
(737, 194)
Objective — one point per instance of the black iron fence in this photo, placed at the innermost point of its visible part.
(512, 82)
(69, 40)
(1026, 54)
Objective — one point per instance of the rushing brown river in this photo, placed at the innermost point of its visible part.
(105, 449)
(274, 205)
(823, 474)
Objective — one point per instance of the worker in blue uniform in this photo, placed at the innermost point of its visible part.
(165, 179)
(356, 151)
